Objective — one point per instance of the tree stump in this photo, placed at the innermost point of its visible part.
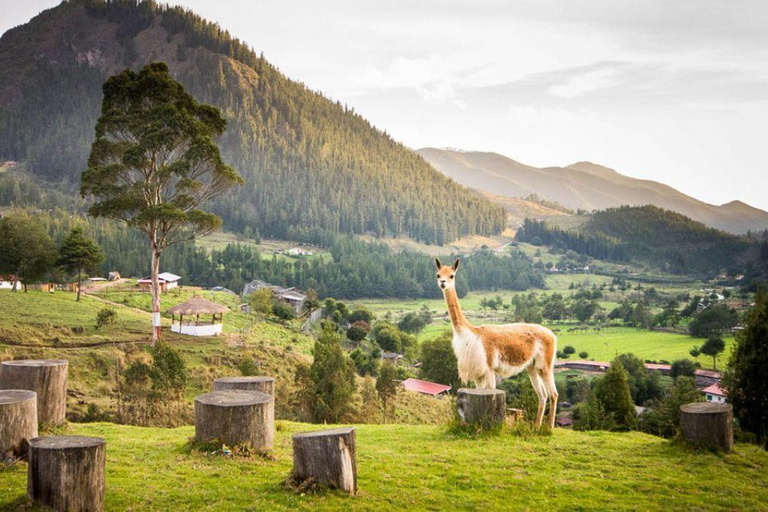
(708, 424)
(67, 472)
(485, 408)
(236, 417)
(18, 421)
(47, 378)
(264, 385)
(327, 457)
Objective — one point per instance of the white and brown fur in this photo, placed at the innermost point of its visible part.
(505, 350)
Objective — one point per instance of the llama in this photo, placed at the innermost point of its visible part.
(488, 350)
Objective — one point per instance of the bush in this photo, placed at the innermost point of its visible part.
(358, 331)
(583, 355)
(247, 367)
(663, 418)
(562, 355)
(283, 311)
(569, 350)
(438, 362)
(106, 317)
(683, 368)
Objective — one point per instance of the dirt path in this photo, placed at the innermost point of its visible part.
(117, 304)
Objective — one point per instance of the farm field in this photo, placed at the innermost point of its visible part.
(423, 468)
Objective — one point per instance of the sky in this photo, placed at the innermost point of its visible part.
(671, 91)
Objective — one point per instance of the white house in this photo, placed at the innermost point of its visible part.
(7, 283)
(166, 280)
(715, 394)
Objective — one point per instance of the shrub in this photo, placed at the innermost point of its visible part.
(283, 310)
(683, 368)
(568, 349)
(438, 362)
(358, 331)
(583, 355)
(106, 317)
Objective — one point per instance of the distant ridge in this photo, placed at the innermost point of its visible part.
(586, 186)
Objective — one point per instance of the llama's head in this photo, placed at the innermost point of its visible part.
(446, 274)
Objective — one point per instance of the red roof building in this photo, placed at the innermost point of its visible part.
(715, 393)
(422, 386)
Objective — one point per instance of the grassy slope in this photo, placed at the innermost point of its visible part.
(421, 467)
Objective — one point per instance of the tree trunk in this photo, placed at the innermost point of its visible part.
(261, 384)
(484, 408)
(18, 421)
(155, 294)
(708, 424)
(235, 417)
(67, 472)
(328, 457)
(47, 378)
(79, 279)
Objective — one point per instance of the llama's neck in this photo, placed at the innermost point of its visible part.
(454, 310)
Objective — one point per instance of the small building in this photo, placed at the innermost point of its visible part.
(715, 393)
(293, 296)
(564, 421)
(114, 275)
(9, 282)
(42, 287)
(192, 309)
(166, 280)
(424, 387)
(391, 357)
(298, 251)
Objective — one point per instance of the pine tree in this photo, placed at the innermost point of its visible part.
(745, 381)
(332, 376)
(612, 392)
(77, 253)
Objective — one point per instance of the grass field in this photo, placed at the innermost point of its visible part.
(422, 468)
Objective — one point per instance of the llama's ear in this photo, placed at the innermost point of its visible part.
(456, 264)
(439, 265)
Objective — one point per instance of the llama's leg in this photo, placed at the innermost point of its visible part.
(490, 379)
(548, 376)
(538, 387)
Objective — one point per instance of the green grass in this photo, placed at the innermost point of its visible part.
(423, 468)
(234, 321)
(40, 318)
(651, 345)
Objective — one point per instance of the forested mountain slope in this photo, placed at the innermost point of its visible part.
(662, 238)
(586, 186)
(311, 165)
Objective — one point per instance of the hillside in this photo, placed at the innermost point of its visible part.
(311, 165)
(403, 467)
(586, 186)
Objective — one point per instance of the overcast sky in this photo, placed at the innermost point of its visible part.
(673, 91)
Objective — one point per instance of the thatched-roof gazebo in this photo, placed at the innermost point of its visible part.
(197, 306)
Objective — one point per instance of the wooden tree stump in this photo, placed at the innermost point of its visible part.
(236, 417)
(47, 378)
(18, 421)
(327, 457)
(67, 472)
(264, 385)
(485, 408)
(708, 424)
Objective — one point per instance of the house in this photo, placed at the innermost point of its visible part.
(9, 164)
(564, 421)
(715, 393)
(391, 357)
(192, 309)
(9, 282)
(424, 387)
(298, 251)
(293, 296)
(167, 282)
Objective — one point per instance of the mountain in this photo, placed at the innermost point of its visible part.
(665, 239)
(313, 167)
(585, 186)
